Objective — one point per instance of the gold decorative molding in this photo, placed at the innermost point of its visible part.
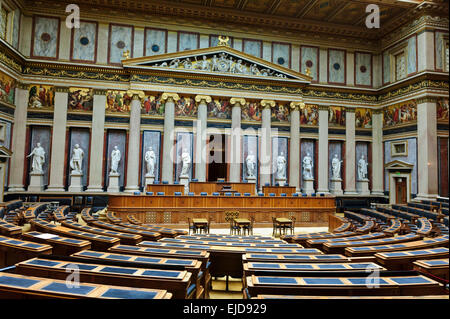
(61, 89)
(296, 106)
(239, 101)
(426, 99)
(377, 111)
(350, 110)
(267, 104)
(200, 98)
(223, 41)
(166, 96)
(23, 86)
(322, 107)
(99, 92)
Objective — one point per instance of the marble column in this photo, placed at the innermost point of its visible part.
(235, 146)
(200, 140)
(97, 142)
(58, 156)
(427, 162)
(377, 153)
(18, 146)
(323, 150)
(169, 136)
(350, 145)
(265, 159)
(294, 149)
(134, 142)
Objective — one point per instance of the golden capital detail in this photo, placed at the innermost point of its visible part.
(61, 89)
(235, 100)
(100, 92)
(426, 99)
(350, 110)
(296, 106)
(200, 98)
(267, 104)
(136, 95)
(167, 96)
(322, 107)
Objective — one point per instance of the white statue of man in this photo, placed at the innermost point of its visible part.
(76, 162)
(307, 167)
(362, 168)
(150, 160)
(115, 159)
(281, 166)
(38, 154)
(186, 159)
(336, 167)
(251, 163)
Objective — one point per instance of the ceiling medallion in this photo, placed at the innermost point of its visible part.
(336, 66)
(45, 37)
(84, 41)
(309, 63)
(120, 44)
(363, 69)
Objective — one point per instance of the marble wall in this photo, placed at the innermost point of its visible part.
(84, 42)
(46, 37)
(184, 142)
(363, 69)
(252, 47)
(439, 45)
(5, 140)
(82, 137)
(412, 54)
(43, 135)
(281, 54)
(279, 147)
(151, 139)
(155, 42)
(120, 40)
(16, 29)
(307, 147)
(116, 138)
(249, 146)
(309, 57)
(188, 41)
(386, 67)
(336, 66)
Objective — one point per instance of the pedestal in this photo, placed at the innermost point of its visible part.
(113, 186)
(252, 179)
(336, 186)
(362, 187)
(308, 186)
(149, 180)
(280, 181)
(36, 182)
(184, 180)
(76, 182)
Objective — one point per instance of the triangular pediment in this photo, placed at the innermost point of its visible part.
(221, 61)
(396, 165)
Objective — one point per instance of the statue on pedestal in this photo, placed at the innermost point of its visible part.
(281, 166)
(38, 154)
(186, 159)
(115, 159)
(251, 164)
(76, 162)
(362, 168)
(150, 160)
(336, 167)
(307, 167)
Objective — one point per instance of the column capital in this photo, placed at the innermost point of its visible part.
(136, 95)
(23, 86)
(322, 107)
(350, 110)
(235, 100)
(296, 106)
(61, 89)
(267, 104)
(200, 98)
(166, 96)
(426, 99)
(100, 92)
(377, 111)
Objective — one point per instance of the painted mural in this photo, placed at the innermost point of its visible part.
(280, 113)
(336, 116)
(220, 109)
(442, 109)
(81, 99)
(363, 118)
(117, 102)
(41, 97)
(152, 105)
(251, 112)
(309, 115)
(7, 88)
(185, 106)
(400, 113)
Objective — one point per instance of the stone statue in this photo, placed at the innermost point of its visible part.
(38, 154)
(336, 167)
(186, 159)
(251, 164)
(115, 159)
(307, 167)
(362, 168)
(187, 64)
(150, 160)
(76, 162)
(174, 63)
(281, 166)
(204, 64)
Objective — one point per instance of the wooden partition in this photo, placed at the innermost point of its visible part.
(278, 190)
(167, 189)
(334, 222)
(212, 187)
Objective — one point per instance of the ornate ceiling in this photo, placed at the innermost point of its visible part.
(344, 17)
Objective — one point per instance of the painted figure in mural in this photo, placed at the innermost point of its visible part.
(150, 159)
(251, 164)
(307, 167)
(442, 109)
(280, 113)
(362, 168)
(309, 115)
(40, 97)
(76, 162)
(80, 100)
(7, 89)
(281, 166)
(336, 115)
(186, 159)
(38, 154)
(115, 159)
(336, 167)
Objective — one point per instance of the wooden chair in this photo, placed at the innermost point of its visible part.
(208, 226)
(234, 229)
(191, 227)
(249, 228)
(292, 226)
(276, 227)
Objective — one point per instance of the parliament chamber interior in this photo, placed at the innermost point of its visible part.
(222, 149)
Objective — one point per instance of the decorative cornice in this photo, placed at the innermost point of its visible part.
(426, 99)
(237, 101)
(267, 104)
(200, 98)
(23, 86)
(10, 62)
(169, 96)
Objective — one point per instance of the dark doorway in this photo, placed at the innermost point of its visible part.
(400, 190)
(217, 166)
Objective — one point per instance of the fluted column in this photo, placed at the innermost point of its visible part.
(56, 183)
(427, 163)
(377, 153)
(200, 141)
(323, 150)
(350, 145)
(294, 149)
(169, 135)
(97, 141)
(18, 140)
(265, 159)
(134, 142)
(235, 158)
